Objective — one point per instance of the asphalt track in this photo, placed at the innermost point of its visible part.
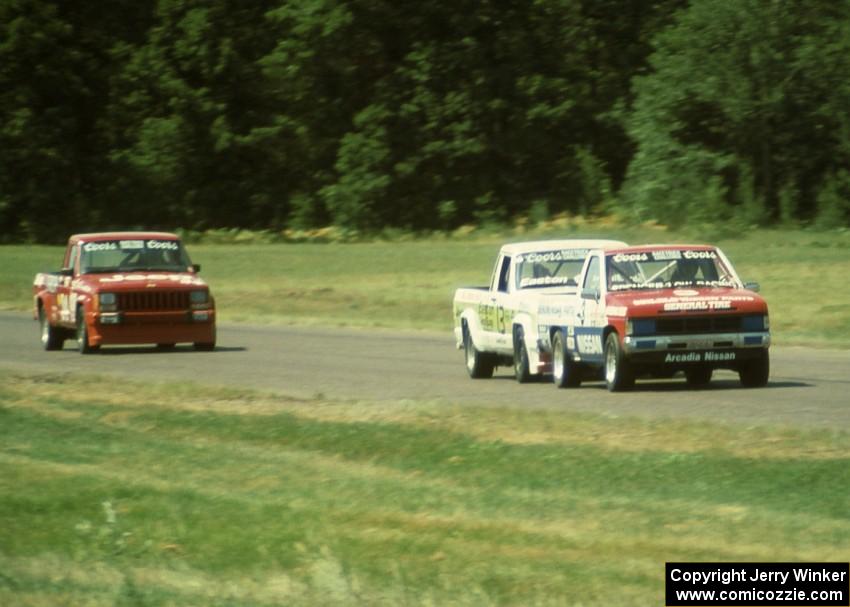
(808, 387)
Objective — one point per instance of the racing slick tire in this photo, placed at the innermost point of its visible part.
(618, 372)
(754, 373)
(479, 365)
(52, 338)
(521, 371)
(565, 372)
(698, 376)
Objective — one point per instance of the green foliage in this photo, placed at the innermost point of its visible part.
(732, 120)
(368, 115)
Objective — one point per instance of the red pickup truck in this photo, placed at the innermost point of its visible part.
(124, 288)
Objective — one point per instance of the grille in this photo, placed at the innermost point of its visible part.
(684, 325)
(153, 300)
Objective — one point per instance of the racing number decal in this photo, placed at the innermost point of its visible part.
(501, 325)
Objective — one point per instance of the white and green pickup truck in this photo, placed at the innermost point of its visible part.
(498, 325)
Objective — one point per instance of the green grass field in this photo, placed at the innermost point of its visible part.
(409, 284)
(119, 493)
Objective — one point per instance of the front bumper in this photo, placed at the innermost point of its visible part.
(196, 326)
(679, 352)
(634, 345)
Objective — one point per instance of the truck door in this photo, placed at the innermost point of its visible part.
(65, 300)
(492, 313)
(592, 317)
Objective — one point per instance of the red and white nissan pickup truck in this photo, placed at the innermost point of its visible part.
(124, 288)
(654, 310)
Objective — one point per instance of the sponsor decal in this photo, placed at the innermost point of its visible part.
(699, 255)
(100, 246)
(654, 301)
(589, 343)
(169, 245)
(685, 293)
(683, 306)
(666, 255)
(696, 357)
(544, 256)
(616, 311)
(620, 257)
(129, 245)
(544, 280)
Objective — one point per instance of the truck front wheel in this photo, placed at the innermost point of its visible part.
(754, 373)
(565, 372)
(618, 372)
(83, 344)
(523, 375)
(479, 365)
(52, 337)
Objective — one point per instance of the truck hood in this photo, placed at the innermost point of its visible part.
(132, 281)
(685, 301)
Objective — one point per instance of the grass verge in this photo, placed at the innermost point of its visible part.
(136, 494)
(409, 283)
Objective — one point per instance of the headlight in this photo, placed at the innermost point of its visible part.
(199, 297)
(640, 326)
(107, 302)
(755, 323)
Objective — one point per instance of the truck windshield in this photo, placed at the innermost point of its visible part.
(667, 269)
(149, 255)
(543, 269)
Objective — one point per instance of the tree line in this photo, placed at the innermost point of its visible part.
(369, 114)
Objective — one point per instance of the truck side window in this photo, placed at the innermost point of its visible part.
(591, 279)
(504, 271)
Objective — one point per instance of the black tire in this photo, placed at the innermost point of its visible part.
(207, 346)
(52, 338)
(521, 370)
(479, 365)
(754, 373)
(565, 372)
(698, 376)
(165, 346)
(83, 344)
(618, 372)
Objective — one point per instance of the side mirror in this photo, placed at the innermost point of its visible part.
(752, 286)
(590, 293)
(196, 267)
(66, 272)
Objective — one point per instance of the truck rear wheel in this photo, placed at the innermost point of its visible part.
(479, 365)
(521, 371)
(618, 373)
(754, 373)
(52, 338)
(83, 344)
(565, 372)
